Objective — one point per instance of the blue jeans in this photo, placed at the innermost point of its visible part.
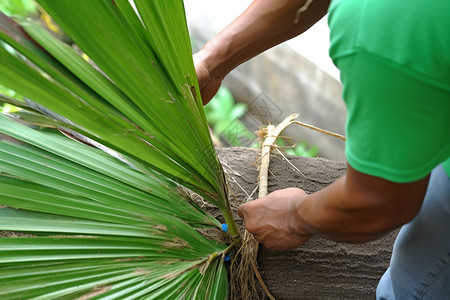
(420, 263)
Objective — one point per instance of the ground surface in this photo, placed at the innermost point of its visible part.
(320, 269)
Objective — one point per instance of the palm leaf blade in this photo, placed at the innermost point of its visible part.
(96, 226)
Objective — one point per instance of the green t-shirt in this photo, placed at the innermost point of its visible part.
(394, 58)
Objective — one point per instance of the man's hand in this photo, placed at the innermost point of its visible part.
(264, 24)
(274, 220)
(208, 83)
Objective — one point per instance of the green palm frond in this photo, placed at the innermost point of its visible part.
(138, 108)
(111, 222)
(82, 205)
(78, 170)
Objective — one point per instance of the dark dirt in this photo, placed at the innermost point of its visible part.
(320, 269)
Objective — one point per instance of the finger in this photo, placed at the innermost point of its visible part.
(201, 70)
(210, 90)
(202, 76)
(240, 210)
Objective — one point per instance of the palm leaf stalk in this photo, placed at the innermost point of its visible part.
(94, 226)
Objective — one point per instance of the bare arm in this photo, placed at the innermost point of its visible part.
(263, 25)
(356, 208)
(359, 207)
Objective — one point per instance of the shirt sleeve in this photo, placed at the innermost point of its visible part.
(398, 124)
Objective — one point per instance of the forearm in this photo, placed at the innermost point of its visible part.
(263, 25)
(328, 214)
(360, 208)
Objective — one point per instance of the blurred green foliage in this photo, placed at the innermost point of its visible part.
(302, 149)
(5, 107)
(223, 115)
(18, 7)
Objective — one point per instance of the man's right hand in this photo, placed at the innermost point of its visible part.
(208, 83)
